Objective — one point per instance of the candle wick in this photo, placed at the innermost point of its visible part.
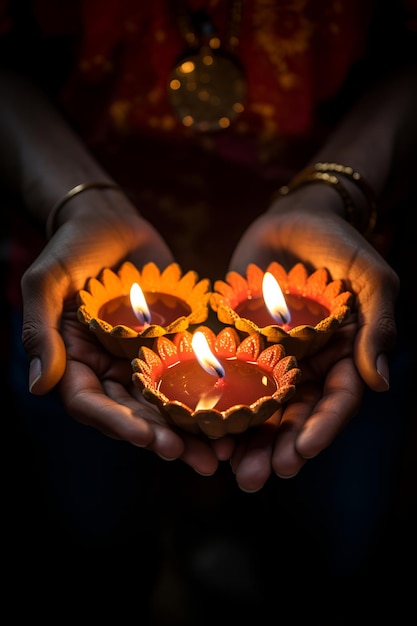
(220, 383)
(284, 319)
(219, 370)
(144, 317)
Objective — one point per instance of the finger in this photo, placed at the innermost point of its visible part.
(46, 352)
(286, 460)
(223, 447)
(199, 455)
(41, 337)
(251, 461)
(168, 442)
(376, 335)
(107, 407)
(45, 285)
(340, 401)
(374, 342)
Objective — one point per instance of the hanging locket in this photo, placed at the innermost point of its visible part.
(207, 87)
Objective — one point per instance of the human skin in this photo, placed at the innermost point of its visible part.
(105, 224)
(378, 139)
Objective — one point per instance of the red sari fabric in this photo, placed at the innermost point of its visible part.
(107, 63)
(295, 55)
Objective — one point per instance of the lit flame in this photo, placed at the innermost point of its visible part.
(212, 365)
(204, 355)
(274, 299)
(210, 399)
(139, 305)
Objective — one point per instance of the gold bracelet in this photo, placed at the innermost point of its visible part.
(368, 221)
(50, 220)
(326, 173)
(309, 175)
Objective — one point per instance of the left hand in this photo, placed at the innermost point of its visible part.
(329, 393)
(306, 226)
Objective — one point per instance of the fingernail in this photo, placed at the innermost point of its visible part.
(35, 372)
(383, 369)
(203, 473)
(249, 490)
(286, 477)
(165, 458)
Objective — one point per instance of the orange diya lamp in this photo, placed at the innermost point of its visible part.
(215, 384)
(130, 308)
(295, 309)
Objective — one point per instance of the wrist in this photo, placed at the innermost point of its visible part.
(348, 183)
(67, 206)
(317, 199)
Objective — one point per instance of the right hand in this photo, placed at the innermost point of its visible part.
(96, 387)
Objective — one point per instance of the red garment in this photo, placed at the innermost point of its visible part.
(294, 54)
(296, 57)
(113, 59)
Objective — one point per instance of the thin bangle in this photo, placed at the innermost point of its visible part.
(367, 225)
(308, 176)
(50, 220)
(326, 173)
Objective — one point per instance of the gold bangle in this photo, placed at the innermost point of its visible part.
(309, 175)
(368, 221)
(326, 173)
(50, 220)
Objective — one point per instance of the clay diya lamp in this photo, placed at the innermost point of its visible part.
(131, 307)
(301, 311)
(215, 384)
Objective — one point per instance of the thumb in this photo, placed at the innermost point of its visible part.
(377, 335)
(46, 370)
(41, 338)
(47, 360)
(372, 348)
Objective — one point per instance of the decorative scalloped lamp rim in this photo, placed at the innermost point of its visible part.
(110, 284)
(301, 340)
(149, 365)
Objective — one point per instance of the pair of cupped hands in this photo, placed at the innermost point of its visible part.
(97, 390)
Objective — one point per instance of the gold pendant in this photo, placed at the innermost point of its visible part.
(207, 89)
